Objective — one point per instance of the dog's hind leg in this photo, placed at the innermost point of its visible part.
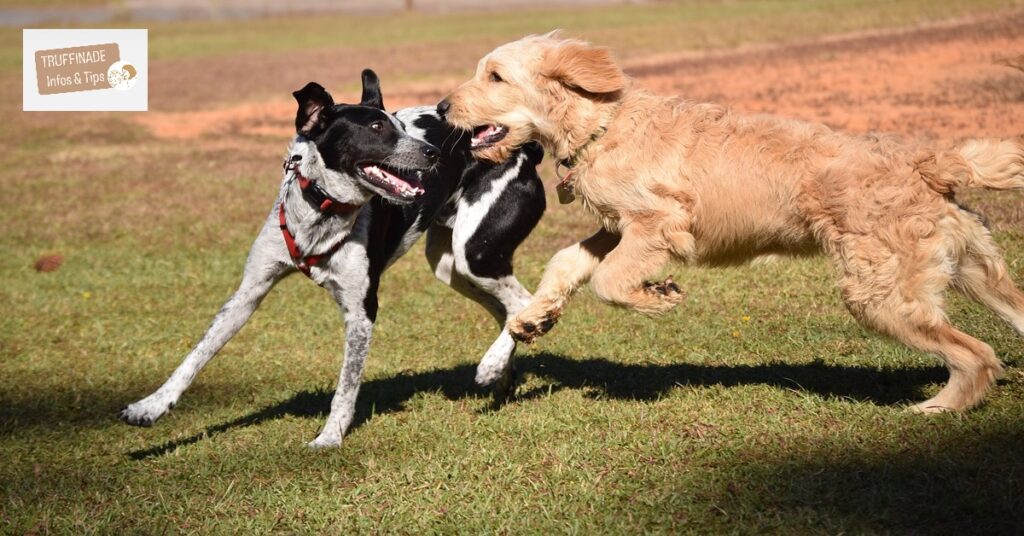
(983, 276)
(973, 366)
(264, 267)
(900, 295)
(987, 282)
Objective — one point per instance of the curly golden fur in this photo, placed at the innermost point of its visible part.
(674, 179)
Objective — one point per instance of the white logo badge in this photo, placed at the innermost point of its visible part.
(122, 76)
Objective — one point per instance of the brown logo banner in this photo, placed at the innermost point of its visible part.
(65, 70)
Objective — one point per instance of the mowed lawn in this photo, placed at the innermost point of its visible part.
(758, 405)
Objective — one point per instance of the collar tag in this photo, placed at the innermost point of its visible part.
(292, 163)
(566, 189)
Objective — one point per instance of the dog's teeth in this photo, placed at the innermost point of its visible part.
(394, 184)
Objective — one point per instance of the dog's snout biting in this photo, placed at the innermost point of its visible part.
(432, 153)
(443, 107)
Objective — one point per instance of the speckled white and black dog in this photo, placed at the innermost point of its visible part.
(327, 223)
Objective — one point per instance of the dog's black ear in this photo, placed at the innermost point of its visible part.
(313, 100)
(534, 152)
(371, 90)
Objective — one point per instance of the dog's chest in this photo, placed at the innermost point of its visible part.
(597, 198)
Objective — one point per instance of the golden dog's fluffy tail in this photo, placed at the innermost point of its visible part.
(992, 164)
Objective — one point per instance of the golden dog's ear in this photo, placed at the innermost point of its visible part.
(580, 65)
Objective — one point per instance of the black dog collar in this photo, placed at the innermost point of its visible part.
(314, 193)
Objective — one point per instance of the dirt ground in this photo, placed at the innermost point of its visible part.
(937, 82)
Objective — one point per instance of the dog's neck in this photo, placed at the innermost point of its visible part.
(316, 230)
(306, 160)
(579, 126)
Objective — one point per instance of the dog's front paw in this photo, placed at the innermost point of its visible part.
(496, 360)
(667, 294)
(325, 442)
(527, 329)
(667, 288)
(145, 412)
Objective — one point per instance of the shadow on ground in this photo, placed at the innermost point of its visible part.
(600, 378)
(955, 483)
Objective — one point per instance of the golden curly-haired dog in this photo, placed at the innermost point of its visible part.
(673, 179)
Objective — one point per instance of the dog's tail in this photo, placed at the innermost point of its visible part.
(981, 163)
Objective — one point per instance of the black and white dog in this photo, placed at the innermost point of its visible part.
(327, 223)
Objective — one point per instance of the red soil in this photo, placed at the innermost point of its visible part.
(943, 81)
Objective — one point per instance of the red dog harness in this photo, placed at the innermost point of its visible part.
(324, 203)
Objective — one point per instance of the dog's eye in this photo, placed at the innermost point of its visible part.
(495, 77)
(377, 126)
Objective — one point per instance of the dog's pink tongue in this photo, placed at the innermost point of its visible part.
(483, 132)
(404, 185)
(398, 184)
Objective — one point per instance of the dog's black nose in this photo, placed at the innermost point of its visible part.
(432, 153)
(443, 107)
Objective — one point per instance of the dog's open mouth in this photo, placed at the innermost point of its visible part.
(404, 184)
(487, 135)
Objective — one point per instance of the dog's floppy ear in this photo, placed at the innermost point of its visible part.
(312, 99)
(578, 64)
(371, 90)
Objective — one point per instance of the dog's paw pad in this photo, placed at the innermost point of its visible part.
(667, 288)
(522, 336)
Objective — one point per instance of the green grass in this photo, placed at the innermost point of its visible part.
(759, 405)
(660, 27)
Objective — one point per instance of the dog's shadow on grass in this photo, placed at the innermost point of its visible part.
(599, 378)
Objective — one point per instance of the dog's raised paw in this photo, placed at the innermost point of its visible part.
(521, 336)
(528, 332)
(668, 287)
(659, 297)
(545, 325)
(524, 332)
